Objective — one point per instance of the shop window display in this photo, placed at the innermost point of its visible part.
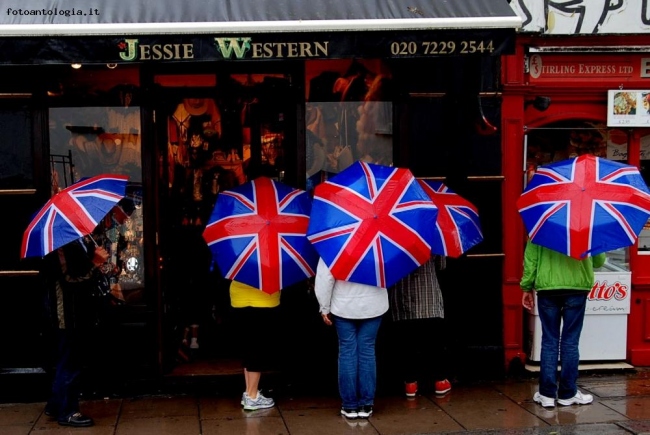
(221, 141)
(349, 116)
(100, 139)
(196, 163)
(106, 140)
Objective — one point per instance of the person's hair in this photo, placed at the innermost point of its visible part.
(127, 205)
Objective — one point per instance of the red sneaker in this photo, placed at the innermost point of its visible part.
(443, 387)
(411, 388)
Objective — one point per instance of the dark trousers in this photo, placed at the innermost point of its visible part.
(421, 351)
(65, 388)
(259, 331)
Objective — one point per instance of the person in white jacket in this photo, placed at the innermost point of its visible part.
(356, 311)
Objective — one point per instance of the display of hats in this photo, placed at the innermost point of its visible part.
(195, 106)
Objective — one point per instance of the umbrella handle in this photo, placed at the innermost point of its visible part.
(94, 241)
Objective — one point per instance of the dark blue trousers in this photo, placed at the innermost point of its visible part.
(65, 388)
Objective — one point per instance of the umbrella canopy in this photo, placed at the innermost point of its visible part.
(72, 213)
(458, 227)
(585, 205)
(257, 235)
(372, 224)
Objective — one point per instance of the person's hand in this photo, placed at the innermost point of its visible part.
(100, 256)
(326, 319)
(333, 161)
(116, 292)
(528, 300)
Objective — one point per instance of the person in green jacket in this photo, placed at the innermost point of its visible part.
(562, 285)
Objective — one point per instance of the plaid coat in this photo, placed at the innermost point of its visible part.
(418, 295)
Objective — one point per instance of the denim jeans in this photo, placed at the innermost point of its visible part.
(65, 388)
(569, 311)
(357, 363)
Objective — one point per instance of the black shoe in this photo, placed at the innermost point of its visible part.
(365, 411)
(77, 420)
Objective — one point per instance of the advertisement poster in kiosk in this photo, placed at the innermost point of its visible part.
(629, 108)
(604, 333)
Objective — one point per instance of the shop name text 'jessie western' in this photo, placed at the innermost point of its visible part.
(229, 48)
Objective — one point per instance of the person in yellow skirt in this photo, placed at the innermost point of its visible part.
(257, 313)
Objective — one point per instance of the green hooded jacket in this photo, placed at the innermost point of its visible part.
(545, 269)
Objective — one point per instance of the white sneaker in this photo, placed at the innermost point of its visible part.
(546, 402)
(350, 413)
(578, 399)
(260, 402)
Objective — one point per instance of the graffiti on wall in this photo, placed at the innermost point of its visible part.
(572, 17)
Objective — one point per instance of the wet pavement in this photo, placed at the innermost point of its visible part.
(621, 406)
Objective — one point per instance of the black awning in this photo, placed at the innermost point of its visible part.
(37, 31)
(140, 17)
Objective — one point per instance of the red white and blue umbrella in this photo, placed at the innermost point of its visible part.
(72, 213)
(585, 205)
(372, 224)
(458, 227)
(257, 235)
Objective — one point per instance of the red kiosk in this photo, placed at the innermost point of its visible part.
(556, 102)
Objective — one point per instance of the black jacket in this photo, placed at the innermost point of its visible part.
(69, 278)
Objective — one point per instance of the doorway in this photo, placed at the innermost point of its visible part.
(215, 131)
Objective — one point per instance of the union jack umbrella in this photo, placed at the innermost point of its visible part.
(458, 227)
(257, 235)
(72, 213)
(585, 205)
(372, 224)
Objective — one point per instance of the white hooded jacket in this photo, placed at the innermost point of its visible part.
(349, 300)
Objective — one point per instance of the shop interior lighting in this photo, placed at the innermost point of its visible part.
(76, 65)
(111, 65)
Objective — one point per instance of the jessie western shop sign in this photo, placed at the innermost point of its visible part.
(331, 45)
(271, 46)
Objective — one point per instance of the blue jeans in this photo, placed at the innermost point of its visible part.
(357, 363)
(568, 310)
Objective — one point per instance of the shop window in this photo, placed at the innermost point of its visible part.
(16, 170)
(98, 85)
(349, 116)
(89, 141)
(565, 139)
